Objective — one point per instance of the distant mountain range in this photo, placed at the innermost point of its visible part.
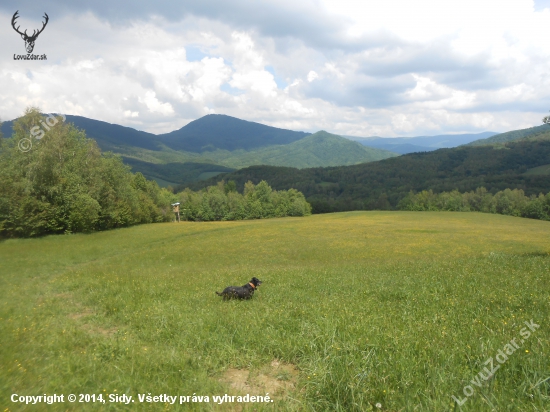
(217, 144)
(532, 133)
(211, 132)
(404, 145)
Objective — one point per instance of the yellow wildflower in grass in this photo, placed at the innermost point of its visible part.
(388, 276)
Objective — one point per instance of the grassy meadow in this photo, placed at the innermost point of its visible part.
(391, 311)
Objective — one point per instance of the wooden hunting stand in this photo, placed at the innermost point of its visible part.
(176, 210)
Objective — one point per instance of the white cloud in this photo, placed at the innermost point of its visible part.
(150, 100)
(352, 67)
(128, 113)
(249, 67)
(312, 76)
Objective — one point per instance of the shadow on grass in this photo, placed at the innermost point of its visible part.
(535, 254)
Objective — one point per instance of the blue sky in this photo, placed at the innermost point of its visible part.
(363, 68)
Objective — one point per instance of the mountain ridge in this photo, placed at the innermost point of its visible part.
(201, 134)
(513, 135)
(197, 136)
(250, 143)
(404, 145)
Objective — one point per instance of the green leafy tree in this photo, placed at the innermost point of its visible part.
(64, 184)
(506, 202)
(257, 202)
(231, 186)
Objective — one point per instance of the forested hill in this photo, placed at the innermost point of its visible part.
(382, 184)
(108, 136)
(514, 135)
(213, 131)
(320, 149)
(217, 131)
(404, 145)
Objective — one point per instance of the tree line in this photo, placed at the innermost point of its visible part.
(223, 202)
(506, 202)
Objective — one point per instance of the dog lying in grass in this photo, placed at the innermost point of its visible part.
(240, 292)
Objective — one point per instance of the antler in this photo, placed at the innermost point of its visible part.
(43, 25)
(34, 33)
(15, 16)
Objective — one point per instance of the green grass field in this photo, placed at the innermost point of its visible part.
(399, 309)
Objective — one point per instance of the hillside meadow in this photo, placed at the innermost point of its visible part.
(358, 311)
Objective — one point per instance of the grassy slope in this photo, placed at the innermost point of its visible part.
(400, 308)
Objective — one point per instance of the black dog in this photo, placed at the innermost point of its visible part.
(240, 292)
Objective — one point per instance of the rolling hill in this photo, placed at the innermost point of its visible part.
(404, 145)
(401, 148)
(210, 132)
(217, 131)
(107, 135)
(321, 149)
(514, 135)
(382, 184)
(217, 144)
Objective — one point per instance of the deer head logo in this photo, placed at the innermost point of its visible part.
(29, 40)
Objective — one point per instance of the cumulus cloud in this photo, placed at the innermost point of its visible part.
(359, 68)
